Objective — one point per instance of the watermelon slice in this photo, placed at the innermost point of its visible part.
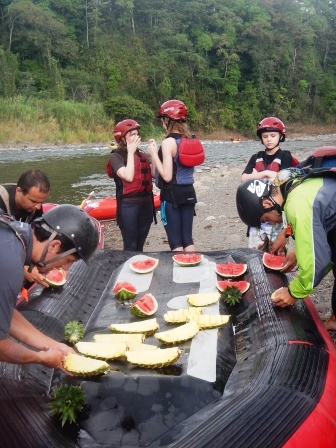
(125, 291)
(229, 270)
(188, 259)
(242, 285)
(56, 277)
(145, 306)
(144, 266)
(274, 262)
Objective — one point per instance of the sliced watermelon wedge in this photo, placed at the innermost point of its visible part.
(144, 266)
(242, 285)
(188, 259)
(145, 306)
(274, 262)
(230, 270)
(56, 277)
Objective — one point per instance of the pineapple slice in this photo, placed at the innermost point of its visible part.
(179, 334)
(181, 316)
(138, 347)
(81, 365)
(204, 299)
(147, 327)
(154, 359)
(117, 338)
(211, 320)
(102, 350)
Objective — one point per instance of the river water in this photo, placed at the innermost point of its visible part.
(76, 171)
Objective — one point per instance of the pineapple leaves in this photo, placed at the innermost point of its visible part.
(231, 295)
(67, 401)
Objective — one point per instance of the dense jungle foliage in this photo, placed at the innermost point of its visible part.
(231, 61)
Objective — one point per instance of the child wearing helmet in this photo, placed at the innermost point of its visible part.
(134, 186)
(264, 165)
(178, 197)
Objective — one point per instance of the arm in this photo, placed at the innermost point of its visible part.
(126, 173)
(35, 277)
(266, 174)
(169, 149)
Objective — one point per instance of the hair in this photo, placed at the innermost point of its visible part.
(176, 127)
(42, 235)
(33, 178)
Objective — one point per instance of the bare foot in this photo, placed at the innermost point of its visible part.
(330, 324)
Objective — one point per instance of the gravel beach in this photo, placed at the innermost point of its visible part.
(217, 225)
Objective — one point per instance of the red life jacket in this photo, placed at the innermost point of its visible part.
(142, 181)
(260, 165)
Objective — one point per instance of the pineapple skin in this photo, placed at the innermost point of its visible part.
(154, 359)
(83, 366)
(179, 334)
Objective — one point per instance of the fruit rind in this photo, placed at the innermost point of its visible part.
(272, 261)
(147, 327)
(154, 359)
(144, 266)
(148, 301)
(179, 334)
(125, 291)
(84, 366)
(188, 259)
(231, 270)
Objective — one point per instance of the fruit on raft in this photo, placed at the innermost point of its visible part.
(274, 293)
(231, 295)
(203, 299)
(181, 316)
(139, 347)
(120, 337)
(144, 266)
(179, 334)
(147, 327)
(74, 331)
(145, 306)
(242, 285)
(84, 366)
(102, 350)
(274, 262)
(66, 401)
(230, 270)
(188, 259)
(56, 277)
(125, 291)
(206, 321)
(154, 359)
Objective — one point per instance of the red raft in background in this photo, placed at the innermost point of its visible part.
(106, 208)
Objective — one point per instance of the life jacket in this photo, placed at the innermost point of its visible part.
(5, 196)
(142, 181)
(325, 156)
(275, 165)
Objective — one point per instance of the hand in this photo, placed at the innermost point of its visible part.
(279, 244)
(282, 298)
(152, 147)
(35, 277)
(133, 141)
(289, 263)
(52, 358)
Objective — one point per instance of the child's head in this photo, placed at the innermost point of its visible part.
(271, 132)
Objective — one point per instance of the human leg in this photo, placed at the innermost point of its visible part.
(145, 219)
(129, 226)
(172, 226)
(187, 218)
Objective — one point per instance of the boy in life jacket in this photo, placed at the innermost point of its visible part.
(264, 165)
(131, 172)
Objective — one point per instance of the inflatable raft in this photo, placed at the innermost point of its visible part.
(106, 208)
(264, 380)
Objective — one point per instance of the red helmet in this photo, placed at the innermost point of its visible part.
(174, 109)
(123, 127)
(270, 124)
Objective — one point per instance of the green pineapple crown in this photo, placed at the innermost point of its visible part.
(67, 401)
(74, 331)
(231, 295)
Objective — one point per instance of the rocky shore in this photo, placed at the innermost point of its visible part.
(216, 225)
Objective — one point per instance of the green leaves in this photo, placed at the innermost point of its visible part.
(67, 401)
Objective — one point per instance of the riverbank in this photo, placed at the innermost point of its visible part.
(293, 132)
(217, 225)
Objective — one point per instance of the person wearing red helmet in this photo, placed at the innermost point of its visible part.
(264, 165)
(134, 186)
(178, 197)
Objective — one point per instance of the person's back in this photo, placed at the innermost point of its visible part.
(24, 199)
(264, 165)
